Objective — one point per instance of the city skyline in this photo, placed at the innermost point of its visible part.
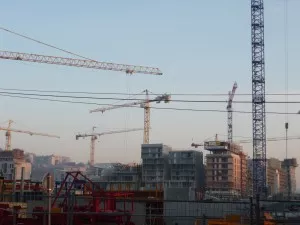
(152, 40)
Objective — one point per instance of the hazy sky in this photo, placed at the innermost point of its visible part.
(201, 46)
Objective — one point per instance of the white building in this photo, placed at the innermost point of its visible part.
(155, 165)
(14, 159)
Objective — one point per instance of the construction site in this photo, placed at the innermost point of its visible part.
(217, 181)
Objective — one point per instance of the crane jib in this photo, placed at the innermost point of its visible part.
(84, 63)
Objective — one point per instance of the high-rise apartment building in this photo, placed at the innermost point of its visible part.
(186, 168)
(289, 166)
(278, 178)
(11, 163)
(226, 170)
(155, 165)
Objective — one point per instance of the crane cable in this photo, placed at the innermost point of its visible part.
(158, 108)
(286, 60)
(286, 56)
(43, 43)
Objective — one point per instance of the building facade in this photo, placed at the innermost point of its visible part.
(12, 162)
(51, 160)
(186, 169)
(226, 169)
(155, 166)
(289, 167)
(279, 174)
(118, 177)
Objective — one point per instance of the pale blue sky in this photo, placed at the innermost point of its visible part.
(201, 46)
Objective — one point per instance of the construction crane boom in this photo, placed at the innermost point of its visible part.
(229, 110)
(129, 69)
(143, 104)
(245, 141)
(94, 136)
(29, 132)
(158, 99)
(9, 130)
(106, 133)
(117, 106)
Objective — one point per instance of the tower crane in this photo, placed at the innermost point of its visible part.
(9, 130)
(94, 137)
(245, 141)
(128, 69)
(143, 104)
(258, 99)
(229, 112)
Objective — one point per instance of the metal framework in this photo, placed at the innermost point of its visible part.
(258, 97)
(146, 119)
(229, 110)
(129, 69)
(143, 104)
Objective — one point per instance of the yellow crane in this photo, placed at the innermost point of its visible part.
(9, 130)
(143, 104)
(94, 137)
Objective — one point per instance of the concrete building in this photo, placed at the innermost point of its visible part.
(117, 176)
(59, 171)
(51, 160)
(277, 176)
(10, 160)
(226, 169)
(30, 157)
(155, 165)
(289, 166)
(186, 169)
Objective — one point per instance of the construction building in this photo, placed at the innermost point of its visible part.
(289, 166)
(50, 160)
(226, 169)
(186, 169)
(117, 176)
(155, 166)
(249, 177)
(277, 176)
(12, 162)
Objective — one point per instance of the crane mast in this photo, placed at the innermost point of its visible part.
(258, 98)
(8, 136)
(229, 112)
(143, 104)
(92, 148)
(128, 69)
(94, 137)
(146, 119)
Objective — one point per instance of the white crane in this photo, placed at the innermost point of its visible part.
(85, 63)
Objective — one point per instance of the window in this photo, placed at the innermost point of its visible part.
(224, 160)
(225, 172)
(224, 178)
(224, 166)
